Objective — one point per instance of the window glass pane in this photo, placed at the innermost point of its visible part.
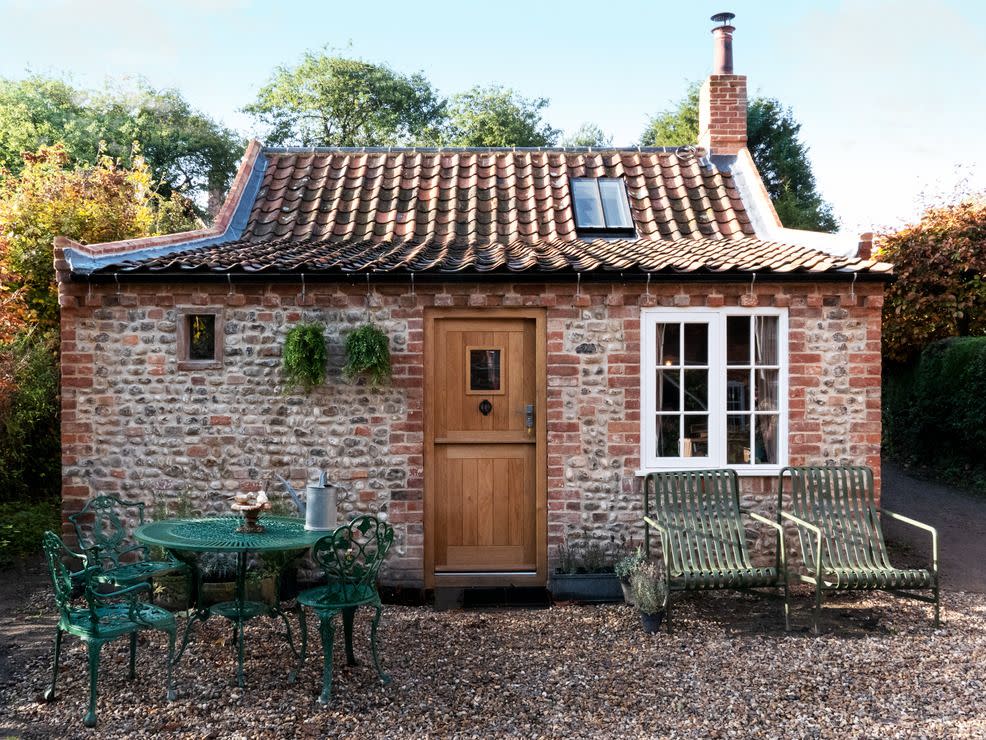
(737, 390)
(588, 211)
(615, 205)
(765, 339)
(201, 337)
(766, 439)
(738, 340)
(737, 439)
(484, 369)
(696, 344)
(668, 347)
(668, 390)
(766, 389)
(668, 432)
(696, 440)
(696, 390)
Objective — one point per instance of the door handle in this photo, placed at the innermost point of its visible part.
(529, 417)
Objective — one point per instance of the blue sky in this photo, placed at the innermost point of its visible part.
(891, 93)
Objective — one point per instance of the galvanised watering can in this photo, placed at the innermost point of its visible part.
(319, 506)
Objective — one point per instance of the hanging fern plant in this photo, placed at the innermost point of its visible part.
(368, 355)
(304, 356)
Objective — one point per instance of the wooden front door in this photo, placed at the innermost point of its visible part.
(485, 472)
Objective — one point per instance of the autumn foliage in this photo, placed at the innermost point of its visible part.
(940, 290)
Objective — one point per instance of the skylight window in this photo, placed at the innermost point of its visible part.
(601, 205)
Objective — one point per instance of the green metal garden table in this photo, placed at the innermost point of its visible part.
(185, 538)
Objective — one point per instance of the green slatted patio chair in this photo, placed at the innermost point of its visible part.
(842, 543)
(104, 537)
(698, 516)
(105, 617)
(351, 558)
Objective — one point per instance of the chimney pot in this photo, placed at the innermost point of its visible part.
(722, 99)
(722, 48)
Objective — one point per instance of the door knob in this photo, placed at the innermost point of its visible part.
(529, 418)
(485, 407)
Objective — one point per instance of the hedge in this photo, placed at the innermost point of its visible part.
(934, 410)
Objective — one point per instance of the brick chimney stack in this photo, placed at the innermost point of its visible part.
(722, 99)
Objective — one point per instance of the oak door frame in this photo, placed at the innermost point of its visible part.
(454, 580)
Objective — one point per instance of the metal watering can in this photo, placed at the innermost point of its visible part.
(319, 506)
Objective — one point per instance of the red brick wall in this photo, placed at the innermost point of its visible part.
(133, 424)
(722, 114)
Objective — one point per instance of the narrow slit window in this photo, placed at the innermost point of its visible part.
(200, 339)
(201, 336)
(601, 205)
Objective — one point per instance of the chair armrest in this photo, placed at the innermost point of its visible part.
(659, 527)
(781, 549)
(801, 523)
(919, 525)
(818, 540)
(762, 519)
(127, 593)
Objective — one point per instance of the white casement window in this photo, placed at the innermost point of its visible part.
(713, 389)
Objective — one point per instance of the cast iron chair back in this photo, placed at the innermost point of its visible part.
(64, 580)
(352, 555)
(102, 530)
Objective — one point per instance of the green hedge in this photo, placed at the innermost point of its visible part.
(935, 410)
(30, 449)
(21, 527)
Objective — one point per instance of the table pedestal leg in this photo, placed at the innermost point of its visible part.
(240, 606)
(196, 613)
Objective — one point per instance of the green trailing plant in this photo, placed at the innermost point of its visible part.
(305, 356)
(368, 355)
(650, 590)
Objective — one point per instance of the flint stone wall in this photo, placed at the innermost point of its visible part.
(134, 424)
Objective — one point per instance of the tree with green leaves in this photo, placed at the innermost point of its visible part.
(497, 116)
(588, 134)
(774, 143)
(676, 126)
(187, 152)
(334, 101)
(50, 197)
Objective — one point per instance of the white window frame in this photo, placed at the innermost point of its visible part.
(716, 320)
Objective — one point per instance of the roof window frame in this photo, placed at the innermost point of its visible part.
(604, 230)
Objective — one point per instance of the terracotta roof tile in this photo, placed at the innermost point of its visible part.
(518, 255)
(501, 210)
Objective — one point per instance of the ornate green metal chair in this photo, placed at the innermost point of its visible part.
(698, 516)
(105, 617)
(351, 558)
(842, 543)
(105, 539)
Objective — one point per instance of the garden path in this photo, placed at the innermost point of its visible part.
(959, 516)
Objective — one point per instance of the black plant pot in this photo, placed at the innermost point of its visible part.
(652, 622)
(593, 588)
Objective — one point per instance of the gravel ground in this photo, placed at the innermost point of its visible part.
(728, 670)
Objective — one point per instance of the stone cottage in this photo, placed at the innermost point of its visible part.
(561, 321)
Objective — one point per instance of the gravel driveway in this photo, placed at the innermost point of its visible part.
(568, 671)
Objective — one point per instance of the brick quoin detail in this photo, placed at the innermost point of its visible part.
(135, 425)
